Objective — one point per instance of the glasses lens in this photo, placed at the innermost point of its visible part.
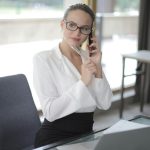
(71, 26)
(85, 30)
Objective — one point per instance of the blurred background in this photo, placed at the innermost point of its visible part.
(30, 26)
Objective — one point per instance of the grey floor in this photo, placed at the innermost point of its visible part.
(107, 118)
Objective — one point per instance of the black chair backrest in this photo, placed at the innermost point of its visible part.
(19, 120)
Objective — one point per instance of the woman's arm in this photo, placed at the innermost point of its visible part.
(54, 104)
(103, 92)
(100, 85)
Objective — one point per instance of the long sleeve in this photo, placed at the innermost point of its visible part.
(55, 102)
(60, 90)
(102, 92)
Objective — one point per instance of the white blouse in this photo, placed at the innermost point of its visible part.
(60, 90)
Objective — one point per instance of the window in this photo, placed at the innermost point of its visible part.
(23, 27)
(27, 27)
(31, 8)
(117, 22)
(127, 6)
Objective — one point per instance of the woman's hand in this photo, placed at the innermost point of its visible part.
(96, 56)
(94, 51)
(88, 69)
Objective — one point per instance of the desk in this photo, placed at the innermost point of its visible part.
(92, 136)
(143, 57)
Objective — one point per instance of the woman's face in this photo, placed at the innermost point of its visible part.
(79, 18)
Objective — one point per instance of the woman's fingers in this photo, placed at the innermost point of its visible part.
(91, 66)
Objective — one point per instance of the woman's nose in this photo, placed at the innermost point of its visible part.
(78, 32)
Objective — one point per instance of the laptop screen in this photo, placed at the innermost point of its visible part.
(136, 139)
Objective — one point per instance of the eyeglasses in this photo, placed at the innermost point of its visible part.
(72, 26)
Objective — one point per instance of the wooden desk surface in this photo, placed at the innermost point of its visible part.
(142, 56)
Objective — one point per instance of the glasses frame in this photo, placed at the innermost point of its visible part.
(77, 27)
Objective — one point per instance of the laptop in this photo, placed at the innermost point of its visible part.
(137, 139)
(133, 139)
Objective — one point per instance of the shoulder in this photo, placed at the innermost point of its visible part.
(42, 54)
(46, 55)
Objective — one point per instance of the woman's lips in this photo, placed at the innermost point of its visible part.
(76, 39)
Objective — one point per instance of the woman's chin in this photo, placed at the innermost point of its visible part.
(75, 44)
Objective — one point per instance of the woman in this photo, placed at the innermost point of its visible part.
(70, 86)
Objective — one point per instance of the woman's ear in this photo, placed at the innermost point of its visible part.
(62, 24)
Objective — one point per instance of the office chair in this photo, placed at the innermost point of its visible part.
(19, 120)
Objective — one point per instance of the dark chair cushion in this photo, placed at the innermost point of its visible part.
(19, 120)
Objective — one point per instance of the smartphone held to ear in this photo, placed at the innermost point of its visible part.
(90, 42)
(90, 36)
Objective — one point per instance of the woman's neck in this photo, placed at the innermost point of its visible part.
(67, 51)
(72, 56)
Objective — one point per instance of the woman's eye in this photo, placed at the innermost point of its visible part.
(72, 24)
(86, 28)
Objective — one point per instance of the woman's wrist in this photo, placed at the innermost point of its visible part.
(84, 81)
(99, 71)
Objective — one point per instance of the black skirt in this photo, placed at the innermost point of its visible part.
(66, 127)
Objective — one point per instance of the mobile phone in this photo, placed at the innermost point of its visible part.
(90, 42)
(90, 36)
